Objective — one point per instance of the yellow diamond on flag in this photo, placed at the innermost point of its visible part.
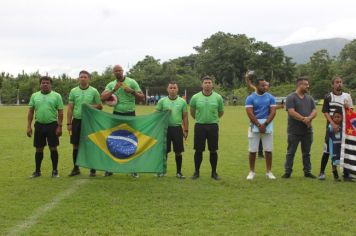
(122, 143)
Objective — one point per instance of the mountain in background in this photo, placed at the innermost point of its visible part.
(301, 52)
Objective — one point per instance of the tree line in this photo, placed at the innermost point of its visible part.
(225, 56)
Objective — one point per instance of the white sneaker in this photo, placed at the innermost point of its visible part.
(269, 175)
(251, 175)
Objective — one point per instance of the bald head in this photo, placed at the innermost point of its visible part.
(118, 72)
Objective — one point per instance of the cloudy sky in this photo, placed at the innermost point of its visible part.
(67, 36)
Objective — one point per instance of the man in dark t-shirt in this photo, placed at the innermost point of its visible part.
(301, 112)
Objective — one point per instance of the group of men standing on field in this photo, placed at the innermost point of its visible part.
(206, 107)
(47, 106)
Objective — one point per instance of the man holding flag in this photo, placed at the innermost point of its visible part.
(178, 117)
(336, 99)
(127, 91)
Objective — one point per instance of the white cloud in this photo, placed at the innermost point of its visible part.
(67, 36)
(343, 28)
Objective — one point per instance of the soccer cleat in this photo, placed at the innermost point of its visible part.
(309, 175)
(55, 174)
(74, 172)
(250, 175)
(195, 175)
(180, 176)
(35, 174)
(322, 176)
(269, 175)
(337, 179)
(107, 173)
(348, 179)
(286, 176)
(215, 176)
(135, 175)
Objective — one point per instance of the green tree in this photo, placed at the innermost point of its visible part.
(320, 73)
(347, 64)
(225, 56)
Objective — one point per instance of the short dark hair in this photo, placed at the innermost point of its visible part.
(85, 72)
(338, 110)
(302, 78)
(45, 78)
(335, 78)
(207, 77)
(257, 81)
(172, 82)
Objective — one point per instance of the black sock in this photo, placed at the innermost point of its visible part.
(346, 173)
(54, 157)
(75, 154)
(336, 175)
(213, 161)
(324, 162)
(38, 160)
(198, 158)
(179, 163)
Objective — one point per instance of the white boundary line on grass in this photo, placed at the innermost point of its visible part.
(39, 212)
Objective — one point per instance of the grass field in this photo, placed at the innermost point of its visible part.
(120, 205)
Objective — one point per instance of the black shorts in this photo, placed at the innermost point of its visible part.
(131, 113)
(175, 136)
(76, 127)
(45, 133)
(203, 132)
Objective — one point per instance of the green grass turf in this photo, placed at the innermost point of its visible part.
(120, 205)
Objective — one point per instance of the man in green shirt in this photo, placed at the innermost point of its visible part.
(82, 94)
(127, 91)
(47, 106)
(178, 117)
(206, 107)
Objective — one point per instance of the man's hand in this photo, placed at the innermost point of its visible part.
(262, 129)
(127, 89)
(185, 134)
(29, 131)
(69, 128)
(335, 127)
(117, 85)
(307, 121)
(59, 131)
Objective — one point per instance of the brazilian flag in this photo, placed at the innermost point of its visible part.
(123, 144)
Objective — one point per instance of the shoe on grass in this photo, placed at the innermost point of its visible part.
(35, 174)
(74, 172)
(270, 175)
(251, 175)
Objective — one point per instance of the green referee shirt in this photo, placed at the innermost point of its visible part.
(207, 108)
(177, 107)
(46, 106)
(78, 96)
(126, 101)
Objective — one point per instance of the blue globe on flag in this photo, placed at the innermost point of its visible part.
(122, 144)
